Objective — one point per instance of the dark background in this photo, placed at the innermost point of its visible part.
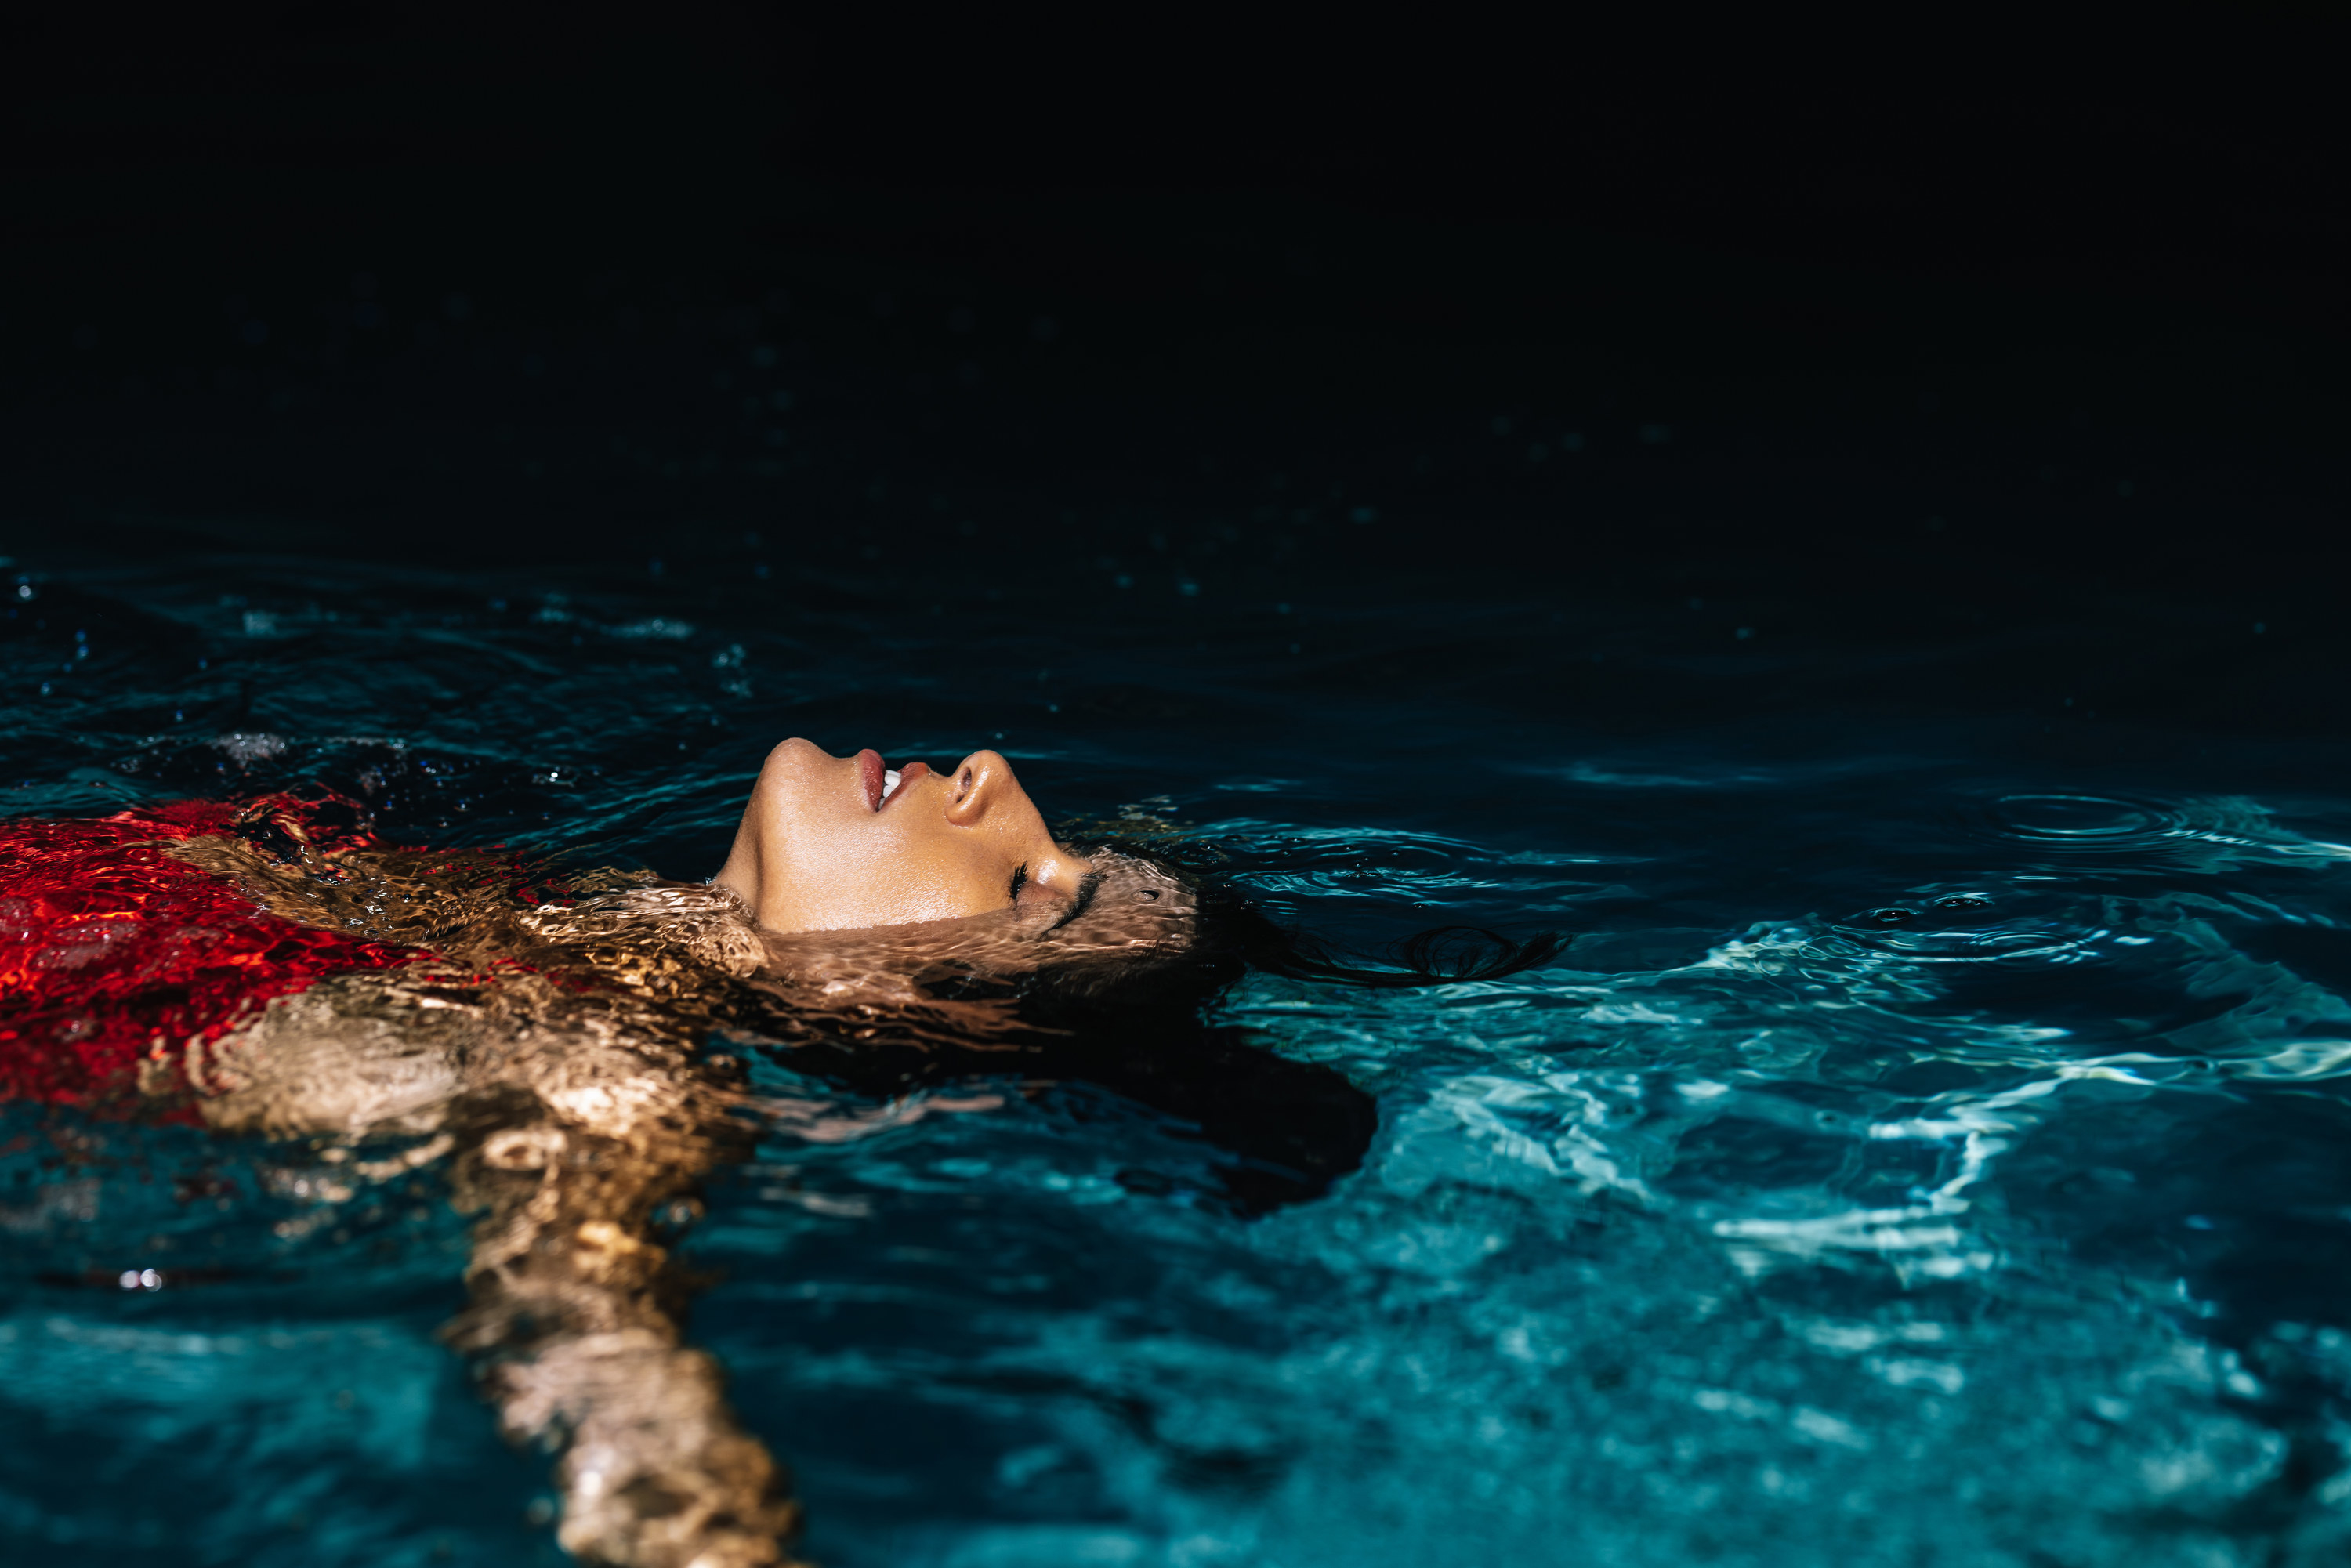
(1957, 309)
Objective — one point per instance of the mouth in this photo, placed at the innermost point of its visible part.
(881, 780)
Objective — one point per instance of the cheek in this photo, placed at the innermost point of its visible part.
(839, 875)
(942, 874)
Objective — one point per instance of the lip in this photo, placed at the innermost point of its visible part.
(907, 774)
(870, 771)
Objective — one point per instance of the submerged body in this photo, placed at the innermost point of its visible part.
(273, 970)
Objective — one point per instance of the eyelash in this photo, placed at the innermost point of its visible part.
(1020, 881)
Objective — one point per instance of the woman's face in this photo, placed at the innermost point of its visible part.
(832, 843)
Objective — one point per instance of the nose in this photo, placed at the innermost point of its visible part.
(983, 786)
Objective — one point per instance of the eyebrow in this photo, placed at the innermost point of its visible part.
(1019, 880)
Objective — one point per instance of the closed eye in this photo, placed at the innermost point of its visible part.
(1019, 880)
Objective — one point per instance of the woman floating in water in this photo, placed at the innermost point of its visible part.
(573, 1047)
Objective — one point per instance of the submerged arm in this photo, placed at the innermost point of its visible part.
(575, 1143)
(575, 1304)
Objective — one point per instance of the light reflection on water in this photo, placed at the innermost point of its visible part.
(1950, 1172)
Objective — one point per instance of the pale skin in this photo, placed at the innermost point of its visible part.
(820, 849)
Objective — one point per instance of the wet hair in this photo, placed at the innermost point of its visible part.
(1097, 959)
